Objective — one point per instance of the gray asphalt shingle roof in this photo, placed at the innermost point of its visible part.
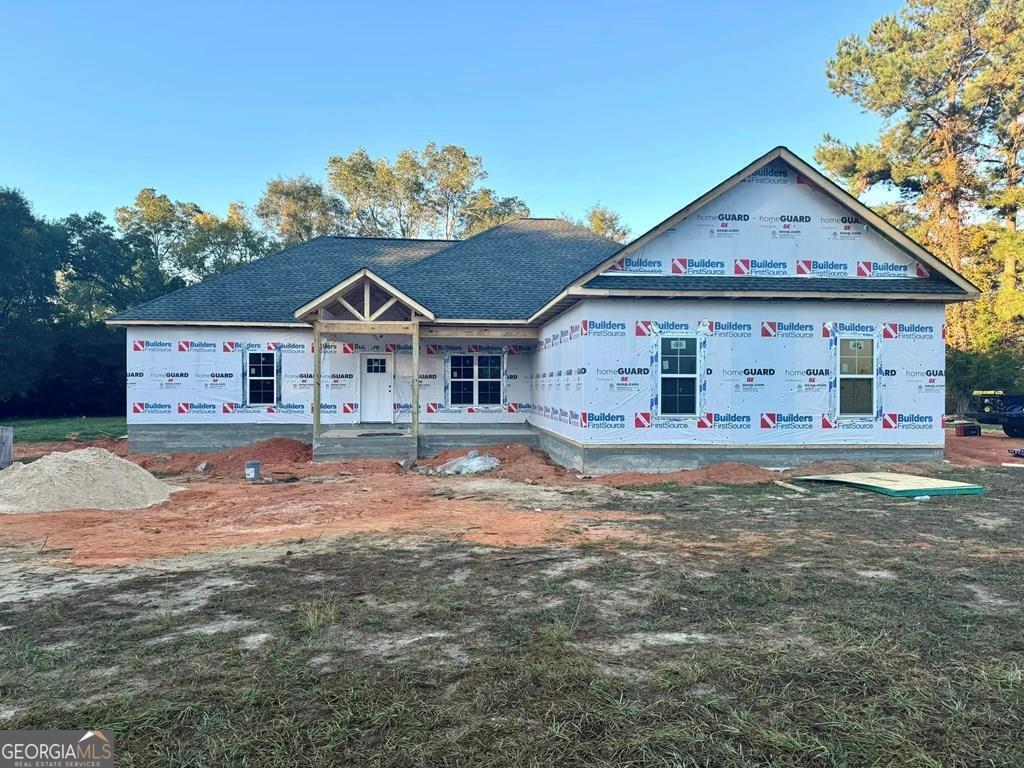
(505, 273)
(271, 289)
(934, 284)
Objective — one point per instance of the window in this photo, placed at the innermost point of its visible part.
(262, 379)
(476, 379)
(678, 376)
(856, 377)
(376, 365)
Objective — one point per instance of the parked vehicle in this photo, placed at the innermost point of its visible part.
(996, 406)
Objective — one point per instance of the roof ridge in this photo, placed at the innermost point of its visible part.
(392, 239)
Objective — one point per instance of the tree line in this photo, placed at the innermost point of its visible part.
(63, 278)
(946, 77)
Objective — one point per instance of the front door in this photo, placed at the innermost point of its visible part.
(376, 383)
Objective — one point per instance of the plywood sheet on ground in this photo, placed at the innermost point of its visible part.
(898, 484)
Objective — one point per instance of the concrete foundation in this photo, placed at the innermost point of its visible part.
(395, 442)
(168, 438)
(611, 459)
(337, 443)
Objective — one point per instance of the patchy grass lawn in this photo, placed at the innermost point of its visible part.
(74, 428)
(755, 626)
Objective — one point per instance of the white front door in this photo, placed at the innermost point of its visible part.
(376, 383)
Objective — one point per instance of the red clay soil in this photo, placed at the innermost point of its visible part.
(278, 457)
(524, 464)
(727, 473)
(211, 516)
(218, 511)
(986, 450)
(518, 463)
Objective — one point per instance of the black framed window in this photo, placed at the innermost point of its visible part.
(678, 376)
(262, 378)
(475, 379)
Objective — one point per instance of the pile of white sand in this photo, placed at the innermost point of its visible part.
(90, 478)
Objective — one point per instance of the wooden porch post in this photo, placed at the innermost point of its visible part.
(416, 381)
(316, 377)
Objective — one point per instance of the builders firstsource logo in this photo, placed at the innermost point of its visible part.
(852, 329)
(907, 421)
(239, 408)
(602, 328)
(188, 409)
(772, 329)
(822, 268)
(724, 421)
(655, 327)
(698, 267)
(852, 424)
(440, 349)
(603, 420)
(761, 267)
(151, 345)
(768, 175)
(140, 408)
(883, 269)
(639, 265)
(787, 421)
(728, 328)
(907, 331)
(187, 345)
(287, 408)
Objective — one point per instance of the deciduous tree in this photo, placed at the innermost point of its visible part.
(105, 272)
(189, 242)
(31, 253)
(484, 209)
(299, 209)
(428, 193)
(450, 175)
(603, 221)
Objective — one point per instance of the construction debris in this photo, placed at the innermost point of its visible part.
(470, 464)
(6, 446)
(89, 478)
(896, 484)
(790, 486)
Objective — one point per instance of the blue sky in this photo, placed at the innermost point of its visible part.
(641, 106)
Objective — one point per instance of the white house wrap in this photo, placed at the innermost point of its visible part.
(766, 375)
(776, 319)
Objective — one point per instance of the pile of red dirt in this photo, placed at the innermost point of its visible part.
(278, 453)
(728, 473)
(985, 450)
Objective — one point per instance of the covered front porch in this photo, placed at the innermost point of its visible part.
(390, 380)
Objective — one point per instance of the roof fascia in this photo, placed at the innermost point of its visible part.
(341, 288)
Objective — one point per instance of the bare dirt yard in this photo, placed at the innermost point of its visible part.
(360, 614)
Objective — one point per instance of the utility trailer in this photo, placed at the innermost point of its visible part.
(996, 406)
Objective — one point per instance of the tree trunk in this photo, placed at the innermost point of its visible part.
(1009, 281)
